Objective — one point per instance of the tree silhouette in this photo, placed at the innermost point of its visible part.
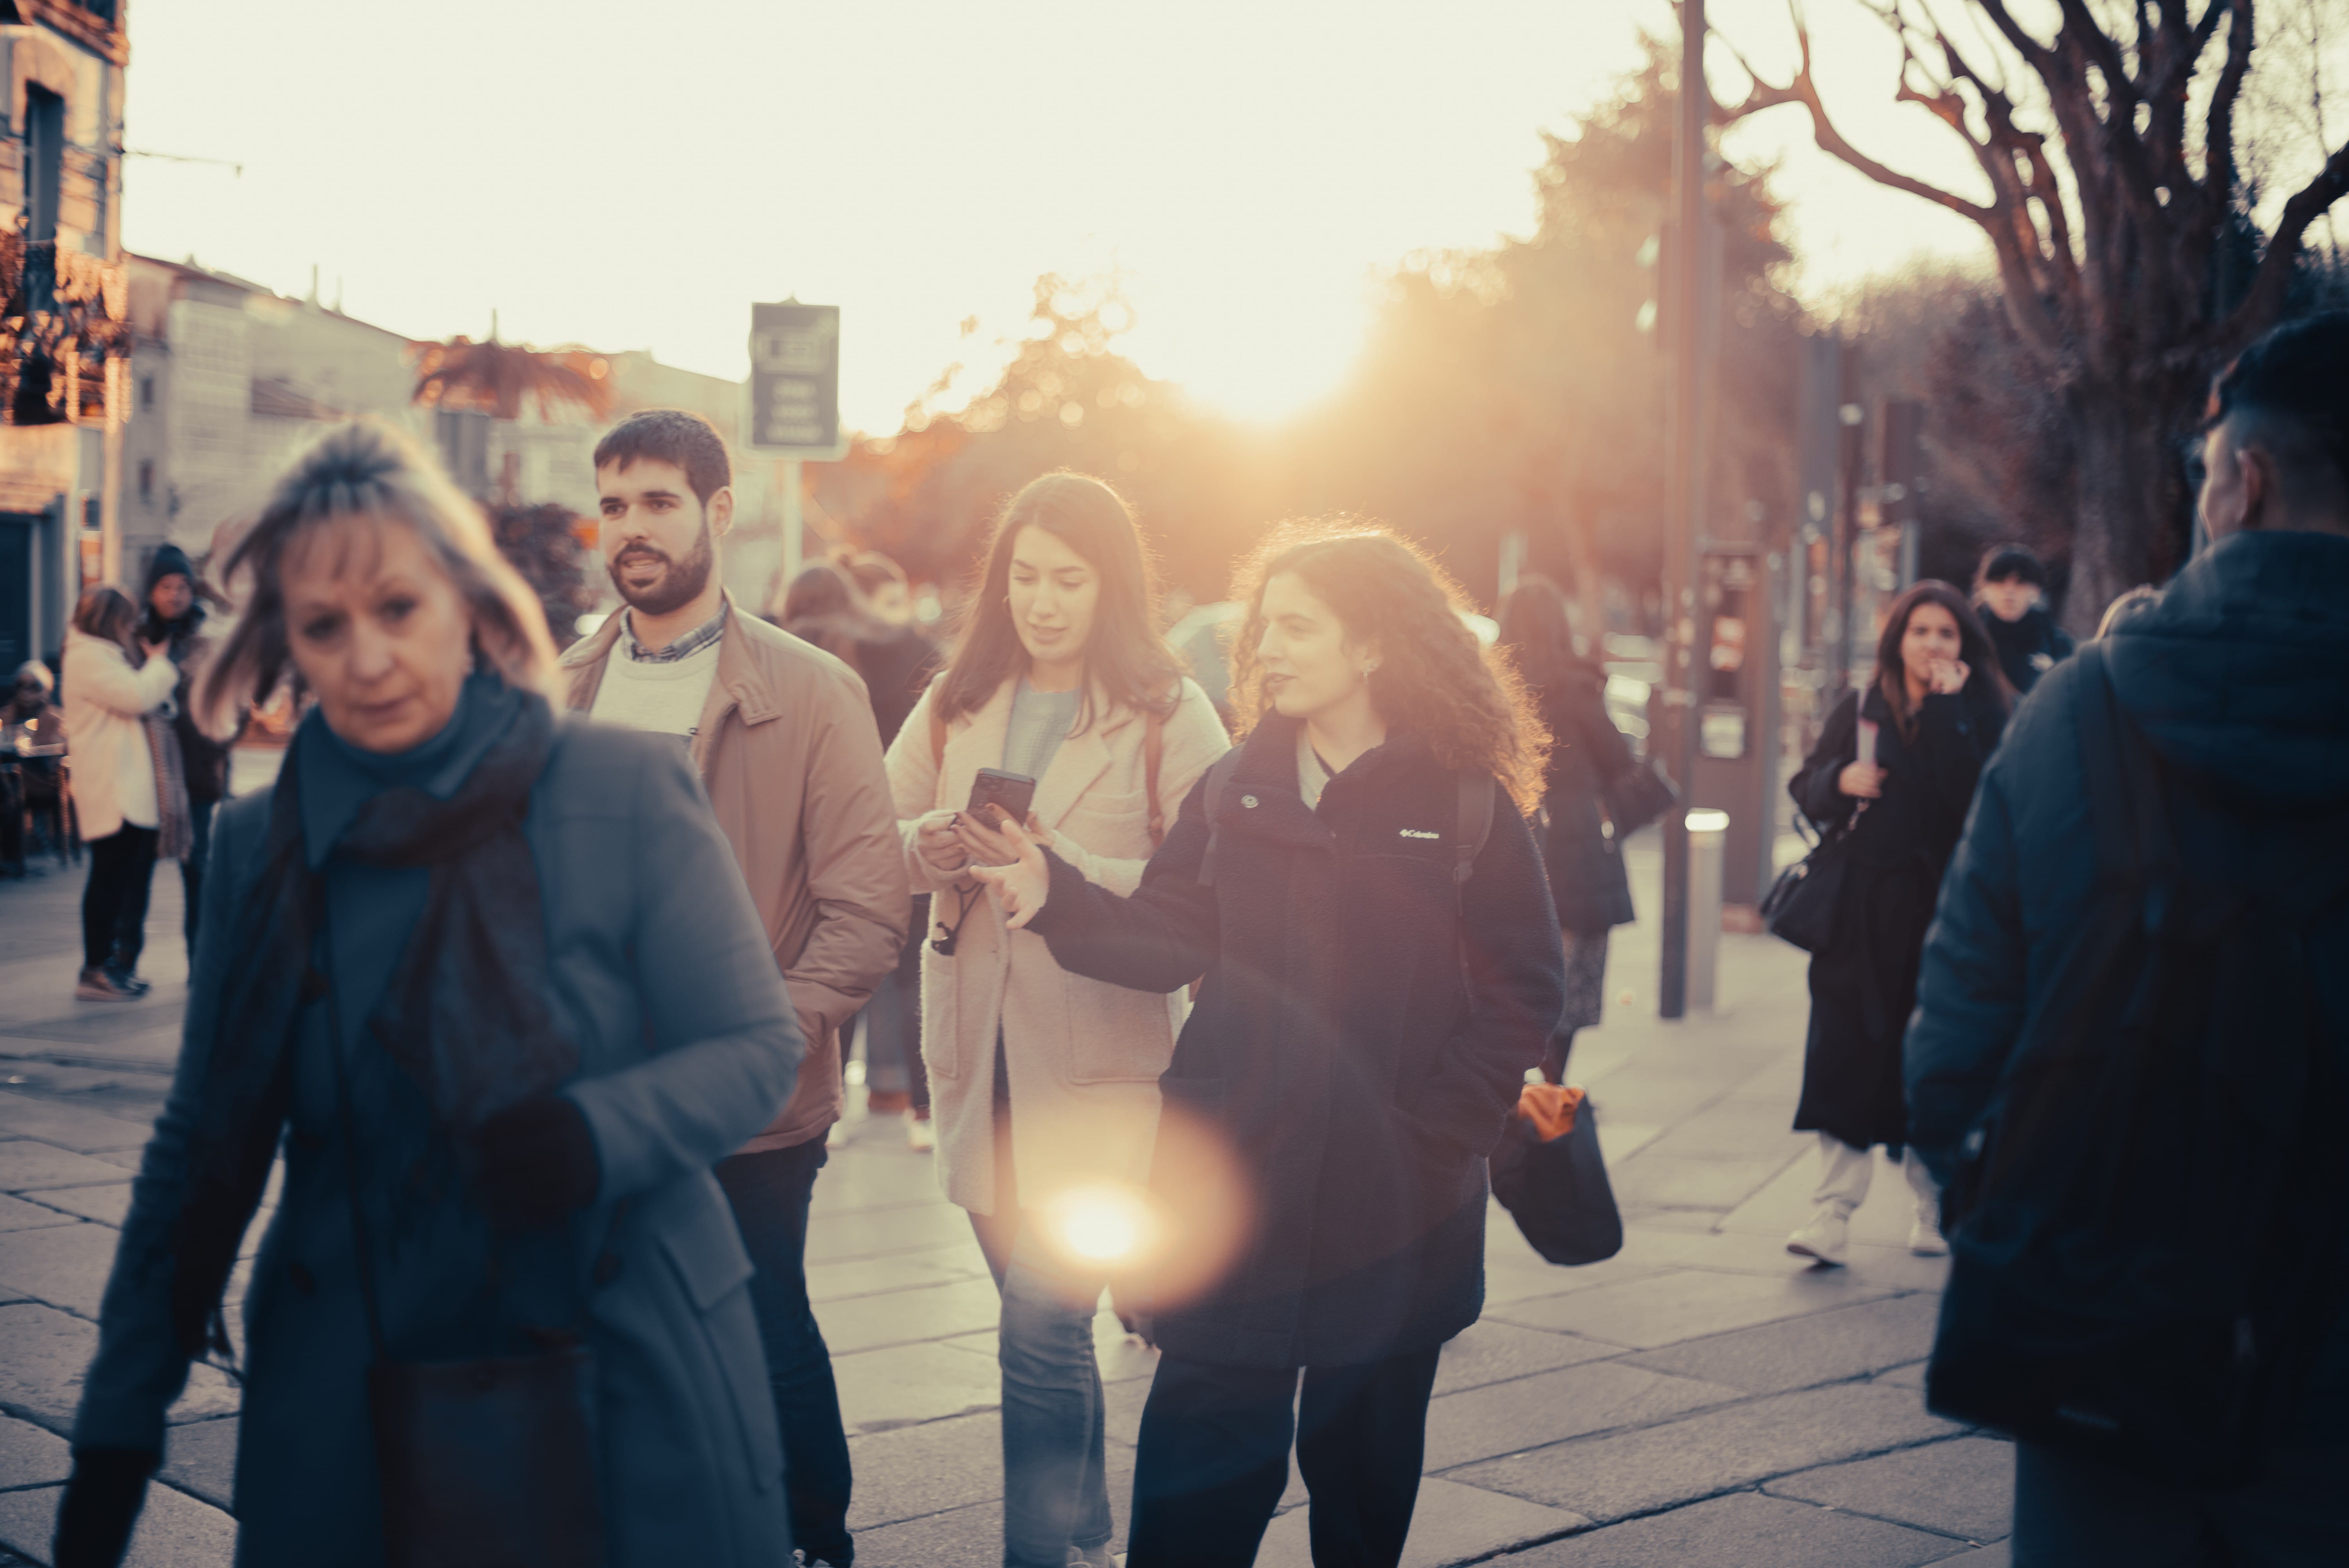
(495, 379)
(2131, 265)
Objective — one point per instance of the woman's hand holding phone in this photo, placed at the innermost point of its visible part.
(1019, 887)
(986, 842)
(940, 847)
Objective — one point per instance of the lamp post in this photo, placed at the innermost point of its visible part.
(1691, 264)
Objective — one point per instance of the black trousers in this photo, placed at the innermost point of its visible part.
(2071, 1511)
(770, 1192)
(114, 901)
(191, 870)
(1213, 1459)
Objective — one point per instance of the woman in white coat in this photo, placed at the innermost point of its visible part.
(128, 793)
(1044, 1083)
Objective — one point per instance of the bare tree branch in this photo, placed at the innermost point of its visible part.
(2219, 126)
(2264, 299)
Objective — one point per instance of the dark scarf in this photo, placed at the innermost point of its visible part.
(464, 1014)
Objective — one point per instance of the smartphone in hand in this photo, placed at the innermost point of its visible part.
(997, 797)
(1868, 743)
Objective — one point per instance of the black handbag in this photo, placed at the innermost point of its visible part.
(1637, 797)
(483, 1463)
(1800, 906)
(1557, 1188)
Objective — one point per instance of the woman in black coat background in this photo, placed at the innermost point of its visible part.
(1580, 843)
(1935, 709)
(1361, 1038)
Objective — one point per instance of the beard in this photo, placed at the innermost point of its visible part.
(676, 587)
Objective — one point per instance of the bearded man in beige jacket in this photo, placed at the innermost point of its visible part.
(785, 739)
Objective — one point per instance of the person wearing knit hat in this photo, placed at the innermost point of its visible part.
(174, 615)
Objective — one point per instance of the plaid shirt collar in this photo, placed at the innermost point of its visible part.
(685, 647)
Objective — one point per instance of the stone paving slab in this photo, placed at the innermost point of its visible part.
(66, 1265)
(69, 1125)
(175, 1530)
(1964, 1487)
(906, 1317)
(1744, 1530)
(48, 1351)
(201, 1457)
(16, 1214)
(899, 1271)
(31, 1455)
(1551, 1407)
(1669, 1180)
(108, 1203)
(875, 1234)
(1492, 1352)
(1805, 1352)
(1451, 1523)
(1736, 1129)
(1659, 1467)
(26, 1166)
(914, 1472)
(880, 1389)
(1663, 1309)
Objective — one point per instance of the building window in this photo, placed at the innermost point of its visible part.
(147, 480)
(146, 391)
(45, 137)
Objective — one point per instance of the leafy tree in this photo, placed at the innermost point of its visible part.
(495, 379)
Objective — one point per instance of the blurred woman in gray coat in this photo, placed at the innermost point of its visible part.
(492, 977)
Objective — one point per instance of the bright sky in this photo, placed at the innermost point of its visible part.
(628, 176)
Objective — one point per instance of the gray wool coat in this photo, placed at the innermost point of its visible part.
(689, 1045)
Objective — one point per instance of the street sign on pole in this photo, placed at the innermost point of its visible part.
(796, 380)
(795, 400)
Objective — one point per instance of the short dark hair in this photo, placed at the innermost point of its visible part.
(2005, 563)
(2294, 378)
(671, 436)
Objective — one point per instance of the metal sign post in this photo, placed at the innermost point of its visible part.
(1691, 286)
(795, 399)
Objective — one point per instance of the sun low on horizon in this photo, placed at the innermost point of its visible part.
(599, 175)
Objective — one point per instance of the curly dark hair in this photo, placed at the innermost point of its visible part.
(1434, 679)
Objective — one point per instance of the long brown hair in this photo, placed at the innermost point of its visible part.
(1982, 670)
(106, 612)
(1435, 680)
(1126, 656)
(368, 471)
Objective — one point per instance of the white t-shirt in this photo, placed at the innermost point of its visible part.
(664, 696)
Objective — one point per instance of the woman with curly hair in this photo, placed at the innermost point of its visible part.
(1359, 888)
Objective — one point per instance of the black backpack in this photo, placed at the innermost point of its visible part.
(2146, 1224)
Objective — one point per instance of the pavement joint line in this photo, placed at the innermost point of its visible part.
(1677, 1416)
(1755, 1487)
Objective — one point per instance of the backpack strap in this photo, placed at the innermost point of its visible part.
(1217, 775)
(1153, 751)
(1475, 825)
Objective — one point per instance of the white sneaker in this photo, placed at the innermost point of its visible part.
(1824, 1238)
(921, 1134)
(1925, 1237)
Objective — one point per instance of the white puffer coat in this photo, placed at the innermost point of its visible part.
(113, 767)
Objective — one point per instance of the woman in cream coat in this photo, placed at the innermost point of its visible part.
(1044, 1083)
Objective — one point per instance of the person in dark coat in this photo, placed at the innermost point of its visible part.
(175, 616)
(2238, 678)
(1931, 717)
(1361, 1038)
(896, 659)
(490, 976)
(1580, 843)
(2009, 588)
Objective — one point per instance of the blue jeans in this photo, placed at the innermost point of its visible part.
(770, 1192)
(1055, 1478)
(1055, 1482)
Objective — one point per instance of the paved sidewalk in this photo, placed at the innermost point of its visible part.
(1700, 1400)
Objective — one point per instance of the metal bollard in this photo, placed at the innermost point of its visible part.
(1708, 829)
